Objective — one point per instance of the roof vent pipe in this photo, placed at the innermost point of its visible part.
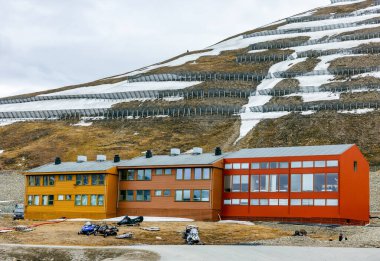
(218, 151)
(101, 158)
(148, 154)
(57, 161)
(81, 159)
(116, 159)
(175, 152)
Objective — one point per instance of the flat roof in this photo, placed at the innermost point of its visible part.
(325, 150)
(167, 160)
(74, 167)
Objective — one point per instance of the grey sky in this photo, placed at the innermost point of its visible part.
(51, 43)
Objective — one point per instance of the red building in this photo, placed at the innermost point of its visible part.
(328, 184)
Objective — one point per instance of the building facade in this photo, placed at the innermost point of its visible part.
(323, 184)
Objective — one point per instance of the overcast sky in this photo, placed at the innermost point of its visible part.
(52, 43)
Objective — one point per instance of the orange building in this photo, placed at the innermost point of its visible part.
(319, 184)
(328, 184)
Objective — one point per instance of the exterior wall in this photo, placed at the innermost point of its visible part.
(67, 208)
(167, 205)
(327, 214)
(355, 196)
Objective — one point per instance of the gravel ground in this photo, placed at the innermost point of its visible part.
(11, 189)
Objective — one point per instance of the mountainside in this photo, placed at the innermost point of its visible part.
(309, 79)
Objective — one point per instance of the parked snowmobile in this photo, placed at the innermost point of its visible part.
(88, 229)
(191, 235)
(106, 231)
(131, 221)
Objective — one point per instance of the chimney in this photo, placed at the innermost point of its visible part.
(81, 159)
(148, 154)
(175, 152)
(218, 151)
(116, 159)
(57, 161)
(101, 158)
(197, 151)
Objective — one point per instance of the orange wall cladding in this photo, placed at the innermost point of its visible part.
(326, 189)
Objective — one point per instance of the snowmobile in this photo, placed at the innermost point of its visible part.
(191, 235)
(131, 221)
(106, 231)
(88, 229)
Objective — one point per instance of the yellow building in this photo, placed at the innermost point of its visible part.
(72, 189)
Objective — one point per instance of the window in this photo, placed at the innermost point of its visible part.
(307, 182)
(264, 183)
(331, 202)
(320, 164)
(187, 175)
(130, 174)
(158, 193)
(69, 177)
(100, 200)
(159, 171)
(284, 183)
(332, 182)
(255, 183)
(235, 201)
(319, 182)
(319, 202)
(84, 200)
(143, 195)
(264, 202)
(227, 183)
(167, 192)
(308, 164)
(38, 181)
(273, 202)
(186, 195)
(296, 183)
(273, 187)
(273, 165)
(355, 166)
(283, 202)
(126, 195)
(47, 200)
(227, 202)
(61, 177)
(295, 202)
(228, 166)
(51, 180)
(144, 174)
(197, 173)
(82, 180)
(206, 195)
(244, 202)
(32, 180)
(307, 202)
(255, 165)
(47, 180)
(255, 202)
(178, 195)
(30, 200)
(197, 195)
(236, 166)
(206, 173)
(36, 200)
(78, 200)
(264, 165)
(296, 164)
(140, 174)
(236, 183)
(61, 197)
(245, 166)
(168, 171)
(97, 179)
(68, 197)
(332, 163)
(33, 200)
(97, 200)
(244, 183)
(179, 174)
(284, 165)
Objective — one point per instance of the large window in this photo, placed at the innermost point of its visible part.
(187, 174)
(81, 180)
(273, 181)
(264, 183)
(307, 182)
(201, 195)
(97, 180)
(45, 180)
(33, 200)
(143, 195)
(97, 200)
(319, 183)
(81, 200)
(206, 173)
(296, 182)
(255, 183)
(244, 183)
(182, 195)
(269, 183)
(236, 183)
(227, 183)
(34, 181)
(179, 174)
(144, 174)
(284, 183)
(47, 200)
(332, 182)
(126, 195)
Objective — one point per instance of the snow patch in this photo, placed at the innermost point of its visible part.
(308, 112)
(317, 96)
(1, 152)
(117, 219)
(357, 111)
(82, 124)
(248, 223)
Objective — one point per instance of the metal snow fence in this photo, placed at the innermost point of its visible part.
(311, 18)
(332, 106)
(255, 58)
(288, 44)
(175, 111)
(207, 76)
